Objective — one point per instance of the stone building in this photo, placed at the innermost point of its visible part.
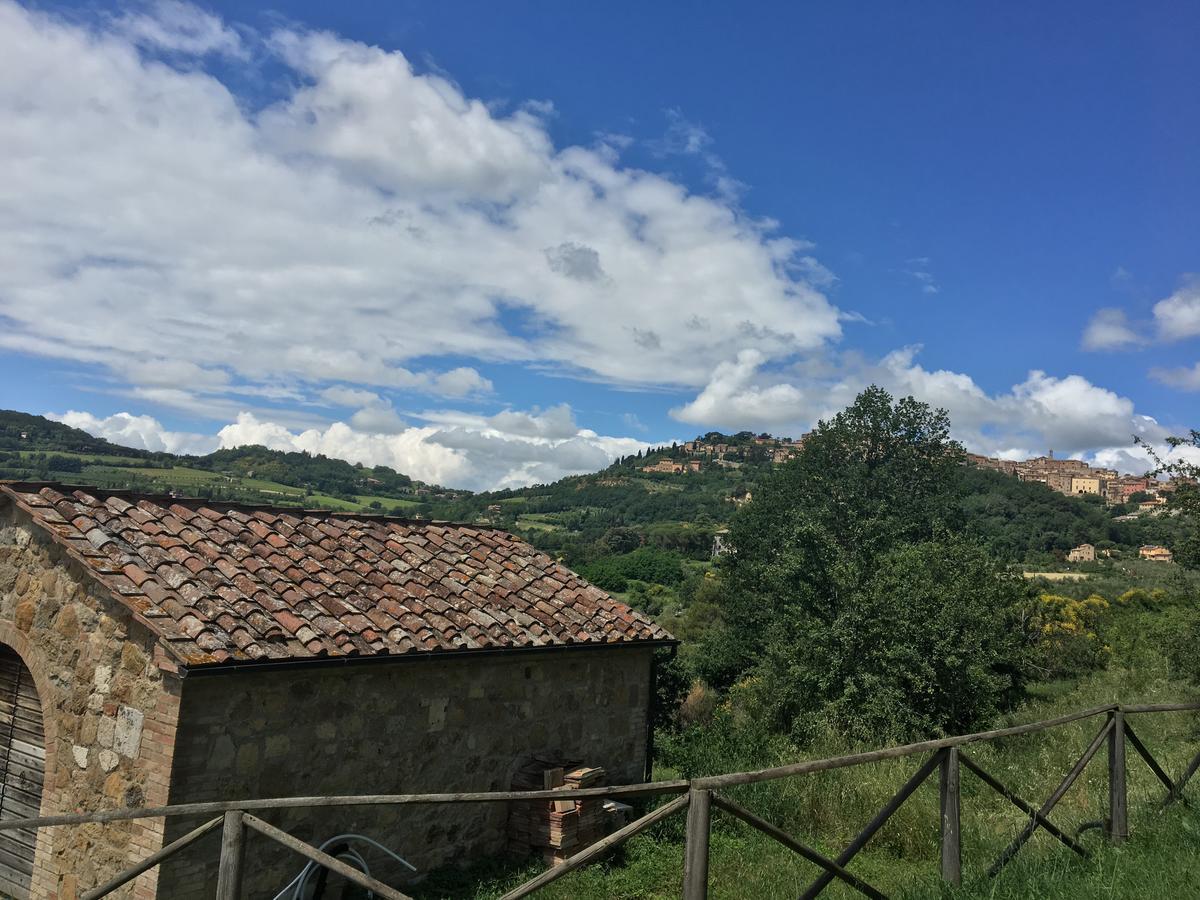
(158, 651)
(1082, 553)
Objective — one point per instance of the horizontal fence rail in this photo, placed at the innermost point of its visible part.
(698, 797)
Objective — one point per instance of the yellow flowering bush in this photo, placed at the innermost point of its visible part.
(1068, 633)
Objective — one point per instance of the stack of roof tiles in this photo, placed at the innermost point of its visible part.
(556, 829)
(221, 583)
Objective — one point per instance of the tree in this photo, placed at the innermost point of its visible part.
(1185, 499)
(849, 588)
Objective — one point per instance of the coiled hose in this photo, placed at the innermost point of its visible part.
(295, 888)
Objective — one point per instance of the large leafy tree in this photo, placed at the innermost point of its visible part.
(849, 591)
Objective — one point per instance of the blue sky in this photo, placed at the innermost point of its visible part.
(501, 242)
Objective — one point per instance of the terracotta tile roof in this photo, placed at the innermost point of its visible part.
(223, 583)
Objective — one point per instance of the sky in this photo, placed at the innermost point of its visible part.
(490, 244)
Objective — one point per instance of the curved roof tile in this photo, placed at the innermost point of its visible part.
(221, 583)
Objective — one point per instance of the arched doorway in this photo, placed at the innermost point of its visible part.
(22, 770)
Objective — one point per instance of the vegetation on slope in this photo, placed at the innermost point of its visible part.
(862, 608)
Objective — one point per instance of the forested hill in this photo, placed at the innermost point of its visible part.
(24, 432)
(588, 517)
(584, 519)
(35, 448)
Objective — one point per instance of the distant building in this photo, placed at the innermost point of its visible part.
(1156, 553)
(1082, 553)
(1087, 484)
(669, 466)
(721, 543)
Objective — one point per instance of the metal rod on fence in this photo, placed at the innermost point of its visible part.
(1118, 799)
(951, 802)
(695, 860)
(233, 851)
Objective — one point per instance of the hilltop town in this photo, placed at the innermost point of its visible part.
(1074, 477)
(1071, 477)
(725, 451)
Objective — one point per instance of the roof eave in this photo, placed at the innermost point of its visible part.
(293, 663)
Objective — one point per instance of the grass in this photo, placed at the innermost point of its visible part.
(825, 810)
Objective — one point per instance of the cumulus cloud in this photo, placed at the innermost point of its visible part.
(1068, 414)
(513, 448)
(1178, 316)
(1109, 329)
(363, 223)
(140, 432)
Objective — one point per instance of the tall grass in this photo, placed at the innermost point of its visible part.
(827, 809)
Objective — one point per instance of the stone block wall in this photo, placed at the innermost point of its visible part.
(419, 726)
(109, 712)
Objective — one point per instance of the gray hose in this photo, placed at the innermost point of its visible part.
(297, 885)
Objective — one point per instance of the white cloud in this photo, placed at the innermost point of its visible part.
(368, 220)
(1178, 316)
(1109, 329)
(181, 28)
(141, 432)
(463, 450)
(1183, 377)
(1068, 414)
(918, 270)
(734, 393)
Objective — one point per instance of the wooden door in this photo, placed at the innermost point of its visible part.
(22, 770)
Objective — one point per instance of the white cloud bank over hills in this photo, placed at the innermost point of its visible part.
(201, 251)
(1070, 414)
(509, 449)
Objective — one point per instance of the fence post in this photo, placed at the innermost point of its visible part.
(695, 861)
(233, 848)
(951, 806)
(1118, 821)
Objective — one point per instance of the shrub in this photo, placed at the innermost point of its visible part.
(1068, 634)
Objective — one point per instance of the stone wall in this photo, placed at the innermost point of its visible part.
(109, 712)
(419, 726)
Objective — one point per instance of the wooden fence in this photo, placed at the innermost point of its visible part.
(698, 797)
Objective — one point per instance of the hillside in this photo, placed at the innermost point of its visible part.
(674, 511)
(35, 448)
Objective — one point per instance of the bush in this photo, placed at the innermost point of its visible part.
(1067, 633)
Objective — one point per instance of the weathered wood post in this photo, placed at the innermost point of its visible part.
(233, 849)
(695, 861)
(1118, 819)
(951, 804)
